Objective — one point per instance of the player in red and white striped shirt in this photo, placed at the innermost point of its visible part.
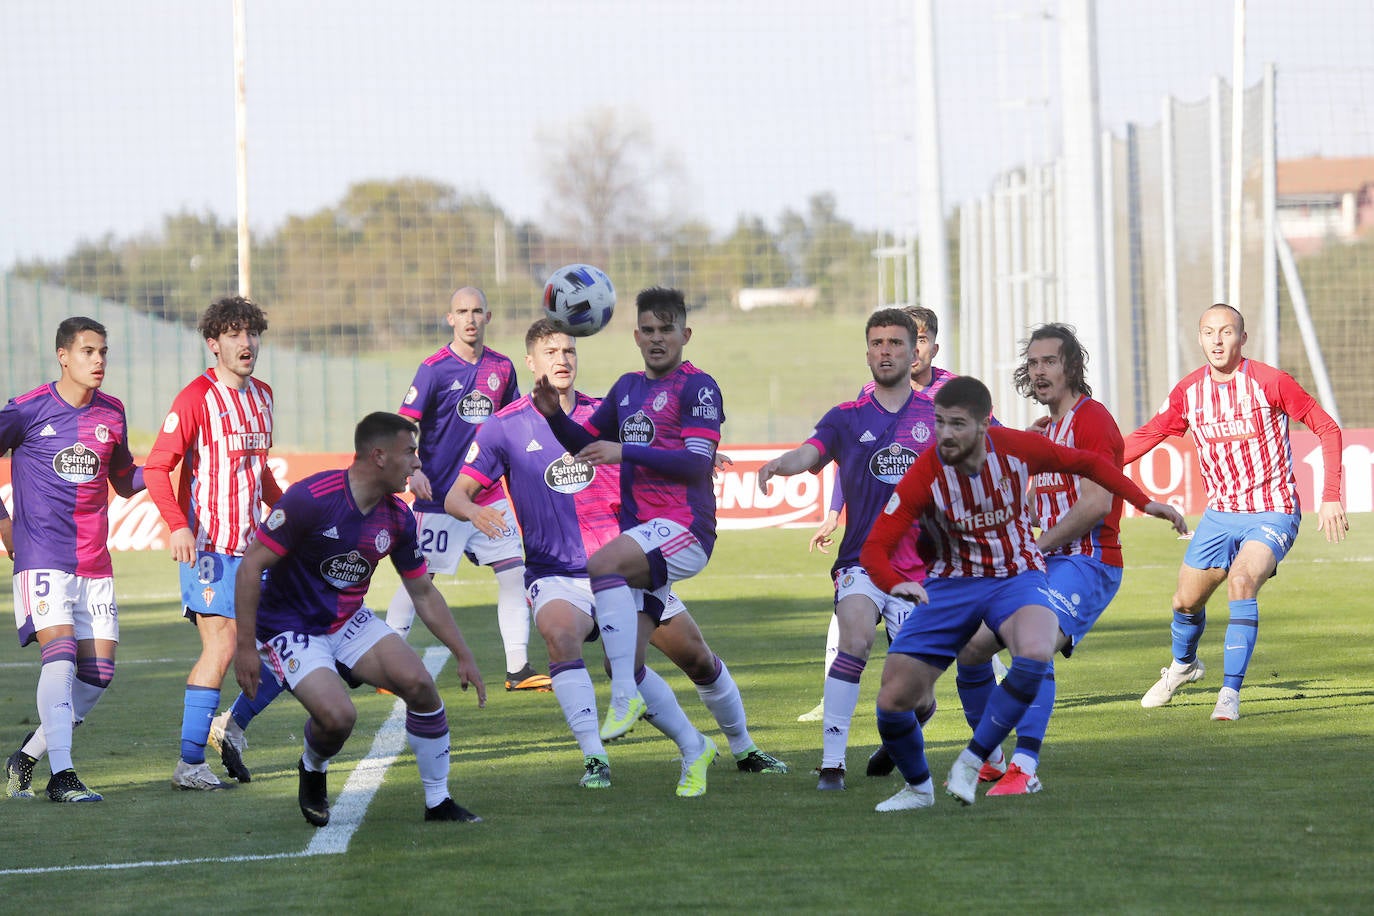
(219, 429)
(1237, 410)
(982, 566)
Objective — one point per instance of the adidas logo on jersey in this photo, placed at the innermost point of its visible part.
(534, 447)
(867, 437)
(625, 401)
(332, 532)
(48, 431)
(456, 386)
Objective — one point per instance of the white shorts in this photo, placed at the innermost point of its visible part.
(673, 551)
(578, 592)
(445, 541)
(293, 655)
(52, 598)
(891, 610)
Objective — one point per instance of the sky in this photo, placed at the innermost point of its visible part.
(117, 112)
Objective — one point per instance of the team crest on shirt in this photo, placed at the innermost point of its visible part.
(382, 541)
(920, 432)
(345, 570)
(494, 381)
(638, 429)
(76, 464)
(476, 408)
(102, 433)
(567, 475)
(275, 520)
(660, 401)
(889, 464)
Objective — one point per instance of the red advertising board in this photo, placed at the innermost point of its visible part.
(1169, 473)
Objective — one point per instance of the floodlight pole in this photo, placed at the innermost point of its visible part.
(241, 148)
(934, 254)
(1237, 149)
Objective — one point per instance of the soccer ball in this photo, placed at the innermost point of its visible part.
(579, 299)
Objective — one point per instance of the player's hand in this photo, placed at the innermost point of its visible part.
(822, 538)
(468, 675)
(719, 463)
(600, 452)
(1332, 521)
(1039, 425)
(766, 472)
(247, 670)
(911, 591)
(1169, 514)
(544, 397)
(420, 485)
(491, 521)
(183, 544)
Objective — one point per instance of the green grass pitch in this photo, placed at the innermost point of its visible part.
(1142, 811)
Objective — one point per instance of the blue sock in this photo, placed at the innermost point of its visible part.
(1008, 704)
(197, 709)
(975, 684)
(1240, 641)
(269, 688)
(1030, 731)
(1187, 632)
(902, 737)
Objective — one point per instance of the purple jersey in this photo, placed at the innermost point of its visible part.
(663, 413)
(566, 509)
(450, 397)
(63, 458)
(872, 449)
(329, 551)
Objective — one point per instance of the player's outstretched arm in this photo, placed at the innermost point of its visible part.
(802, 458)
(1332, 521)
(433, 610)
(247, 593)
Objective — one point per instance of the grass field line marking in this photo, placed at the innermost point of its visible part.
(346, 814)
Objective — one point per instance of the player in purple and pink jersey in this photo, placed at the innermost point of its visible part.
(567, 509)
(662, 425)
(926, 379)
(982, 566)
(1080, 538)
(872, 441)
(68, 441)
(1237, 410)
(319, 548)
(454, 392)
(218, 430)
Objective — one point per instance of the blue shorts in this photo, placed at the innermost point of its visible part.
(935, 632)
(207, 585)
(1220, 535)
(1085, 586)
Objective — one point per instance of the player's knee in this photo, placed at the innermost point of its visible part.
(1241, 585)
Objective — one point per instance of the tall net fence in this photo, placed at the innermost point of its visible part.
(744, 152)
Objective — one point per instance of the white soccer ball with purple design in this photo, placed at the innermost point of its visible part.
(579, 299)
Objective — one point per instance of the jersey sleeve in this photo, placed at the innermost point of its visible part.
(13, 422)
(1043, 455)
(406, 555)
(173, 441)
(1171, 420)
(417, 398)
(824, 437)
(485, 461)
(512, 390)
(703, 409)
(1303, 407)
(288, 521)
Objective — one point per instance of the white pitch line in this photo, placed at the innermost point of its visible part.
(345, 815)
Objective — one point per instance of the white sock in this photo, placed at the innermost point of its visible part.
(618, 621)
(841, 697)
(1026, 762)
(665, 714)
(55, 711)
(575, 693)
(722, 698)
(431, 755)
(513, 617)
(400, 613)
(832, 642)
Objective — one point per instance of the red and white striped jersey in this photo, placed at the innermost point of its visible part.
(1240, 427)
(221, 436)
(1087, 425)
(980, 525)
